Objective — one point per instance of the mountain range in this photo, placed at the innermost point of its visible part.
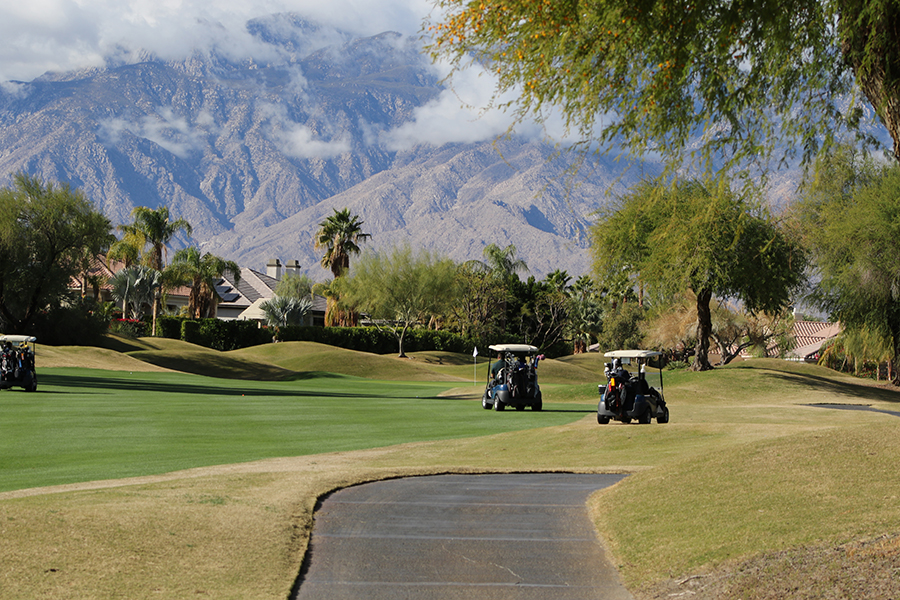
(255, 154)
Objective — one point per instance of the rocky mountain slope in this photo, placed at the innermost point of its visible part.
(255, 154)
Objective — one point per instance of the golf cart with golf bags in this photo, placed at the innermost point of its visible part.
(512, 378)
(625, 395)
(17, 362)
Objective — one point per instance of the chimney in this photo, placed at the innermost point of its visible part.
(292, 267)
(273, 268)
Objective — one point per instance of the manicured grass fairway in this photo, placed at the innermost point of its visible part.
(85, 425)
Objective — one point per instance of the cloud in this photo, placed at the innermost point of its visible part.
(299, 141)
(59, 35)
(164, 128)
(466, 112)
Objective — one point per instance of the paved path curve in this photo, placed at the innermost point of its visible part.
(470, 537)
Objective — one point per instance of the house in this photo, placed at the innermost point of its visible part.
(94, 283)
(809, 337)
(241, 300)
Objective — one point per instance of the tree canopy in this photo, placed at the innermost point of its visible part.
(340, 235)
(45, 229)
(200, 272)
(701, 237)
(851, 221)
(653, 75)
(399, 289)
(151, 231)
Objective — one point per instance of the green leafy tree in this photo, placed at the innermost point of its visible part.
(540, 312)
(479, 304)
(851, 220)
(585, 314)
(622, 328)
(651, 75)
(45, 230)
(127, 250)
(153, 228)
(200, 273)
(399, 290)
(504, 268)
(294, 286)
(704, 238)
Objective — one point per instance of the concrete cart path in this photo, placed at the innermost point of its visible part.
(470, 537)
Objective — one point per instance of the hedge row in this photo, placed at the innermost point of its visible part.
(231, 335)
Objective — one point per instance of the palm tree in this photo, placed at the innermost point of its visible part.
(201, 274)
(339, 235)
(503, 265)
(156, 228)
(503, 262)
(282, 311)
(135, 286)
(127, 250)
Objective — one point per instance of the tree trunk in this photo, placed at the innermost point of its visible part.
(704, 329)
(155, 305)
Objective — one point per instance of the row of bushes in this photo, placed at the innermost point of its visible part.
(231, 335)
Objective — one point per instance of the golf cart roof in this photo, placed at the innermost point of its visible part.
(632, 354)
(17, 339)
(515, 348)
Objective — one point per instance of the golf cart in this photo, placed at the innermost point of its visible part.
(17, 362)
(625, 396)
(512, 378)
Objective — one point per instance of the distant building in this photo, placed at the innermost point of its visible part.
(809, 337)
(240, 300)
(95, 284)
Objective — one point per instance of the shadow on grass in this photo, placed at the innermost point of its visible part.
(856, 407)
(142, 385)
(841, 388)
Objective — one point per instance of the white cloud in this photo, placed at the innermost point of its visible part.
(58, 35)
(466, 112)
(164, 128)
(299, 141)
(55, 35)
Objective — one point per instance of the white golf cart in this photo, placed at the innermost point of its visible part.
(512, 378)
(626, 395)
(17, 362)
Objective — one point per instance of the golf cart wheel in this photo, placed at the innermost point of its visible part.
(31, 386)
(486, 401)
(664, 417)
(498, 405)
(538, 403)
(645, 418)
(602, 419)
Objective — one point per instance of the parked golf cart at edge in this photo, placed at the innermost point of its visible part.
(17, 362)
